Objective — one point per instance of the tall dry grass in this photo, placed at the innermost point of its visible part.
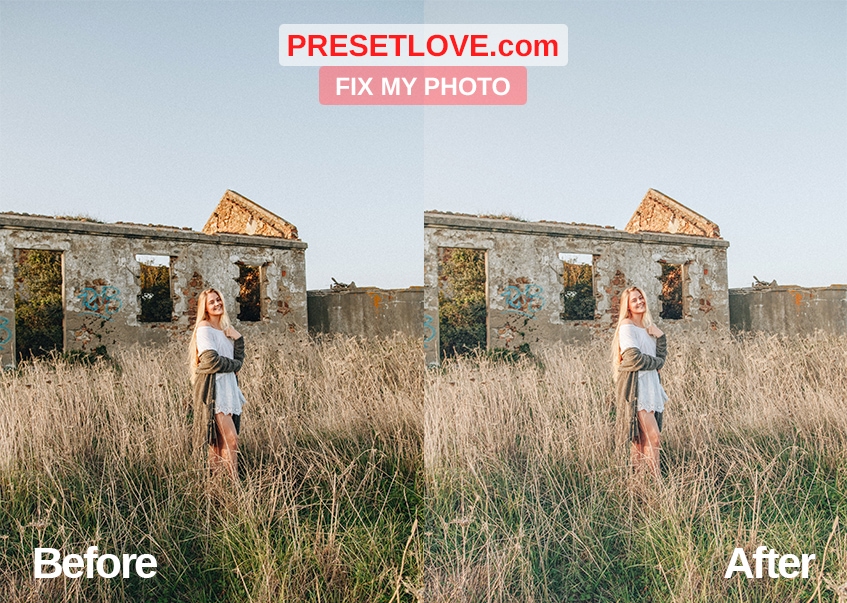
(326, 509)
(530, 499)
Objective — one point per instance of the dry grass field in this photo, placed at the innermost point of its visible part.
(530, 499)
(326, 510)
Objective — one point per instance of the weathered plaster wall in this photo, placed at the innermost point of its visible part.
(789, 310)
(366, 311)
(101, 279)
(524, 285)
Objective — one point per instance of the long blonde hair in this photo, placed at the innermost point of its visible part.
(625, 313)
(193, 356)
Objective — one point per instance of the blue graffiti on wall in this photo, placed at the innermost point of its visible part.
(429, 330)
(526, 301)
(103, 302)
(5, 333)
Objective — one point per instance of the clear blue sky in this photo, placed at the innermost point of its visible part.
(148, 111)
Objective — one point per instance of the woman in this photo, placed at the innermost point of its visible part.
(216, 353)
(639, 350)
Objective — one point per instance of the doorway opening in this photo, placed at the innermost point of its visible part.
(39, 307)
(462, 307)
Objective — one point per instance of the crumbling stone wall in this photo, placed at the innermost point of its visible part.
(524, 276)
(366, 311)
(789, 310)
(101, 279)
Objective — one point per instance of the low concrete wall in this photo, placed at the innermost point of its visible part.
(101, 279)
(789, 310)
(366, 311)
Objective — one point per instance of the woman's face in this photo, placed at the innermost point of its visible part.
(637, 304)
(214, 304)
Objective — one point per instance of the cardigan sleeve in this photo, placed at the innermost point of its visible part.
(212, 362)
(633, 360)
(238, 349)
(662, 347)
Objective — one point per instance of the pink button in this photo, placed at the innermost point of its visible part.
(422, 85)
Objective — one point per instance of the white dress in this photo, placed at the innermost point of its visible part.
(228, 396)
(651, 394)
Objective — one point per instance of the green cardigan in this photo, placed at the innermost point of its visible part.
(627, 384)
(209, 365)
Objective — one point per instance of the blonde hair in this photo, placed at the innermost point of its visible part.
(193, 356)
(646, 321)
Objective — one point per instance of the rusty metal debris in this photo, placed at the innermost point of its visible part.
(336, 286)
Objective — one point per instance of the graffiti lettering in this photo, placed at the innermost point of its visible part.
(5, 333)
(429, 331)
(526, 302)
(103, 302)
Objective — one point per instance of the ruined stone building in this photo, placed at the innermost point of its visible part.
(536, 282)
(252, 256)
(549, 281)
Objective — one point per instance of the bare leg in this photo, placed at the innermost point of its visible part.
(229, 443)
(215, 459)
(638, 453)
(650, 440)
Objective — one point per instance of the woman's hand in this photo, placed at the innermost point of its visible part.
(654, 331)
(232, 333)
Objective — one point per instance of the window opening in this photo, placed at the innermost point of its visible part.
(671, 296)
(157, 303)
(250, 293)
(578, 301)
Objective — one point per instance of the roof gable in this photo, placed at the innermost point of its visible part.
(236, 214)
(659, 213)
